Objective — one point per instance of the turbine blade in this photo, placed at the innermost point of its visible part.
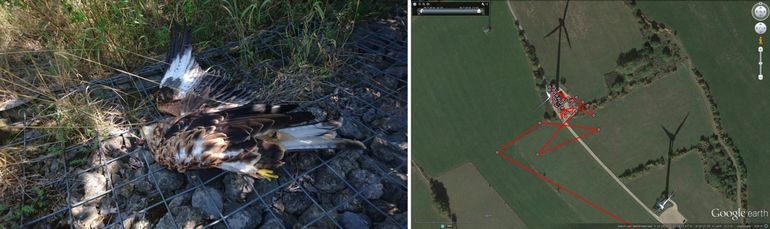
(563, 16)
(670, 135)
(553, 31)
(680, 124)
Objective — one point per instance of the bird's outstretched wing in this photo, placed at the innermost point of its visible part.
(243, 134)
(187, 88)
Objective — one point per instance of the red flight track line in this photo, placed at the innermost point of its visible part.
(543, 150)
(549, 181)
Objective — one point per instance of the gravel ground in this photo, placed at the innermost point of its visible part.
(322, 189)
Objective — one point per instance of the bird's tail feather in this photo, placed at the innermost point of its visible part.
(315, 136)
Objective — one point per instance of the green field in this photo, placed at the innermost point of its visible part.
(693, 195)
(472, 93)
(631, 130)
(470, 89)
(721, 42)
(468, 85)
(475, 202)
(424, 212)
(598, 30)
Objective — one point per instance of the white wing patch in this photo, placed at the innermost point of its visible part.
(183, 74)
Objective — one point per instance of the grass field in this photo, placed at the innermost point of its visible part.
(693, 195)
(596, 41)
(475, 202)
(631, 130)
(719, 38)
(472, 93)
(572, 167)
(467, 84)
(424, 212)
(469, 101)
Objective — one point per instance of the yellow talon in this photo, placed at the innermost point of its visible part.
(267, 174)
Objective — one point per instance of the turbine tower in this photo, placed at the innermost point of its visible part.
(671, 138)
(560, 27)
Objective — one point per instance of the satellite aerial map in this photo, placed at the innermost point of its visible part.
(589, 114)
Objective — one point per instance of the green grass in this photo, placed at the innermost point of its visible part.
(598, 30)
(468, 85)
(693, 195)
(469, 102)
(472, 93)
(726, 54)
(631, 130)
(475, 202)
(424, 212)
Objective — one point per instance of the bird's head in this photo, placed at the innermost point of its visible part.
(147, 135)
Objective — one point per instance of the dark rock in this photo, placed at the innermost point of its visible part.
(394, 193)
(272, 223)
(369, 116)
(246, 218)
(209, 201)
(327, 181)
(184, 217)
(198, 176)
(178, 201)
(366, 182)
(313, 213)
(264, 186)
(387, 152)
(346, 161)
(380, 209)
(348, 201)
(141, 154)
(401, 218)
(143, 187)
(168, 181)
(351, 128)
(295, 202)
(303, 161)
(136, 203)
(353, 220)
(387, 225)
(237, 187)
(371, 165)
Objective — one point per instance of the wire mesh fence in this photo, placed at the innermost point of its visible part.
(109, 183)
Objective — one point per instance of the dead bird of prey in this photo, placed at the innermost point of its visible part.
(212, 125)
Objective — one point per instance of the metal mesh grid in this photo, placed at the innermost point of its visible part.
(371, 97)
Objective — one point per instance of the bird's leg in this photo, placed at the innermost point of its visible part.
(267, 174)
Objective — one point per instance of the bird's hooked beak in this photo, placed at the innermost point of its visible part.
(130, 140)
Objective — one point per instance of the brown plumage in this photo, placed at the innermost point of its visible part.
(215, 126)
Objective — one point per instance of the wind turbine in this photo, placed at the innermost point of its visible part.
(560, 27)
(663, 203)
(671, 138)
